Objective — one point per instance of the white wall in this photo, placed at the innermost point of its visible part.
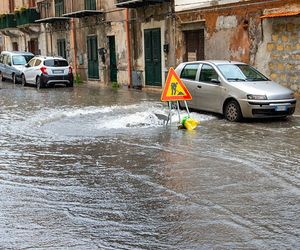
(181, 5)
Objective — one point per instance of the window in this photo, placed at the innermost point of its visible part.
(37, 62)
(18, 60)
(5, 59)
(90, 4)
(251, 73)
(208, 73)
(31, 62)
(61, 47)
(190, 71)
(8, 60)
(59, 7)
(56, 63)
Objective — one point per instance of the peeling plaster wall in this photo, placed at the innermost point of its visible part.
(236, 32)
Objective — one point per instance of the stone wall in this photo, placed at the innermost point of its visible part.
(284, 50)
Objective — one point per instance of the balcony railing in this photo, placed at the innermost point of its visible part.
(8, 21)
(138, 3)
(27, 16)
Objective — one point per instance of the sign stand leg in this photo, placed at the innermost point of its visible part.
(170, 112)
(178, 111)
(187, 108)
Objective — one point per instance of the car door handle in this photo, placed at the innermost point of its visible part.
(199, 86)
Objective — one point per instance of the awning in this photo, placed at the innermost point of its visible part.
(281, 14)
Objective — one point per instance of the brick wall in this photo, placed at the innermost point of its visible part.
(284, 49)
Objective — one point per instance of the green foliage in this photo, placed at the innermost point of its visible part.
(115, 85)
(77, 79)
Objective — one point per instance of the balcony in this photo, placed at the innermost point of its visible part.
(82, 9)
(27, 16)
(138, 3)
(8, 21)
(83, 13)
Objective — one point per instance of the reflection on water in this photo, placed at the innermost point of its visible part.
(96, 169)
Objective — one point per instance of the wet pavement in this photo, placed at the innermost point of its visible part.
(95, 168)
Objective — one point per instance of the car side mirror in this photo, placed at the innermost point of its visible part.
(215, 81)
(27, 65)
(9, 64)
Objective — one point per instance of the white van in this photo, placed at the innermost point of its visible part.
(12, 64)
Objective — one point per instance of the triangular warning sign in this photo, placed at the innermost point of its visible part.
(174, 89)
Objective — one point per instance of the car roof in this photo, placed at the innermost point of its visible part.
(50, 57)
(17, 53)
(216, 62)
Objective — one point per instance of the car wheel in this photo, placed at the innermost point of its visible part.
(2, 77)
(23, 80)
(233, 111)
(14, 79)
(38, 83)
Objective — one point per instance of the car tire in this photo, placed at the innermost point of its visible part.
(24, 83)
(14, 79)
(2, 77)
(39, 83)
(232, 111)
(71, 84)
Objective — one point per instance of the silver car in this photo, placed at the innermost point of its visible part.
(235, 90)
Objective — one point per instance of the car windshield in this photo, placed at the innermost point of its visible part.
(241, 72)
(56, 63)
(21, 59)
(251, 73)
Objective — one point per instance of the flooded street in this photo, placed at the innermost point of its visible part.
(95, 168)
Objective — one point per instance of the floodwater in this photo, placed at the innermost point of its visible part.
(95, 168)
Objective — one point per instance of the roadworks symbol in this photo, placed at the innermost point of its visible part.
(174, 89)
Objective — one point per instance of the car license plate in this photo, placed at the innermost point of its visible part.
(281, 108)
(57, 71)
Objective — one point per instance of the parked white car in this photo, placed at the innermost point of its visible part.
(45, 71)
(235, 89)
(12, 64)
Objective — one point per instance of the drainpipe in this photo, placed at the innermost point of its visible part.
(73, 41)
(74, 45)
(128, 49)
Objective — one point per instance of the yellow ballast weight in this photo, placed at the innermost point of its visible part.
(189, 123)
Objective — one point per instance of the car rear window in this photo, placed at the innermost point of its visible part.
(56, 63)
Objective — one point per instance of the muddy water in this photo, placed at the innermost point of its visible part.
(89, 168)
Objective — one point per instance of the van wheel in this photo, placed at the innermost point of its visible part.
(14, 79)
(2, 77)
(23, 81)
(233, 112)
(39, 83)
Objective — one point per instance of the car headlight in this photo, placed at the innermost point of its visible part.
(257, 97)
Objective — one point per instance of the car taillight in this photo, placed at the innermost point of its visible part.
(44, 70)
(70, 70)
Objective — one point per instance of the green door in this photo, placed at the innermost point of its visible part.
(92, 51)
(113, 60)
(153, 57)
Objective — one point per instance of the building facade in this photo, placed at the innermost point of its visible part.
(17, 25)
(135, 42)
(263, 33)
